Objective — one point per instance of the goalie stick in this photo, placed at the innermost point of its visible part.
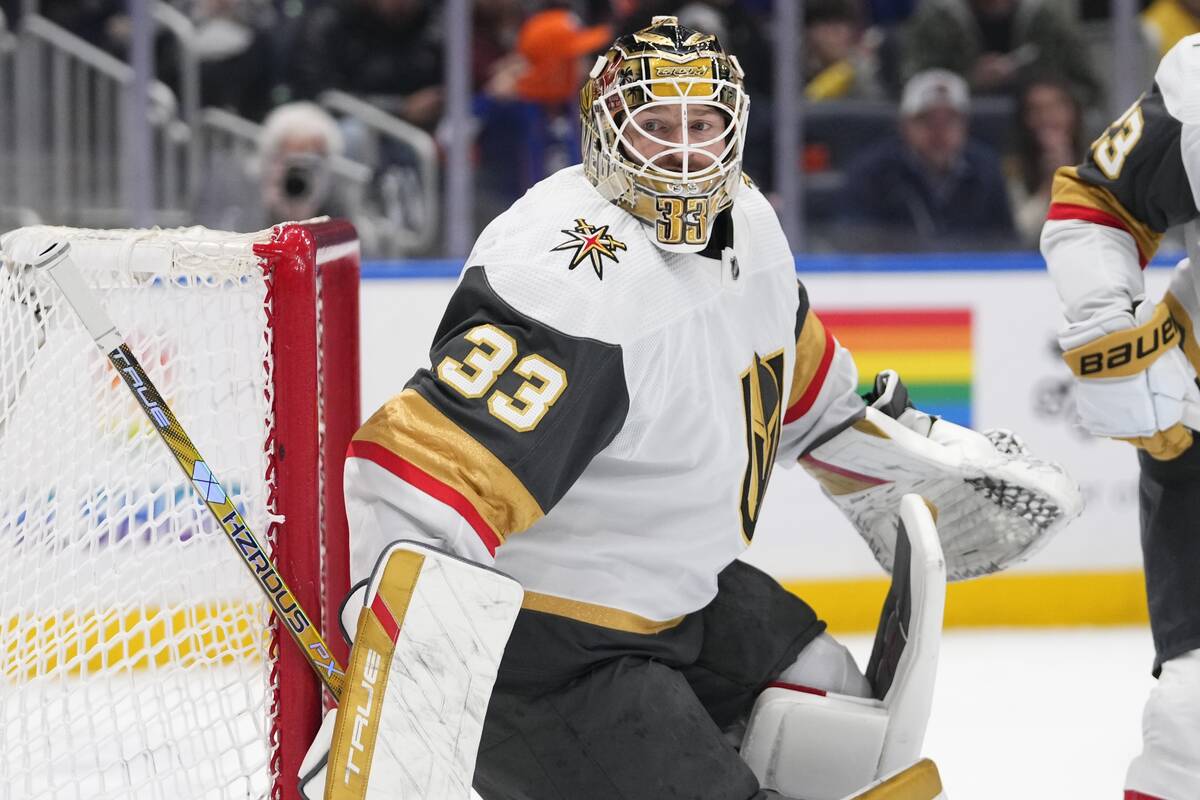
(55, 260)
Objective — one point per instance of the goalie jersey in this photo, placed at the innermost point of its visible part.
(1140, 177)
(600, 417)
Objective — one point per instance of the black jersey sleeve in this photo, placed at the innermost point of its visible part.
(1133, 178)
(508, 415)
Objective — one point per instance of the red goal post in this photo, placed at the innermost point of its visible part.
(138, 658)
(315, 313)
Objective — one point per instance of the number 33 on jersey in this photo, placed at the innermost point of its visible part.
(494, 352)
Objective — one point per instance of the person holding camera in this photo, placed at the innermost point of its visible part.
(289, 177)
(297, 142)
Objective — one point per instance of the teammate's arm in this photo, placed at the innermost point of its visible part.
(1106, 220)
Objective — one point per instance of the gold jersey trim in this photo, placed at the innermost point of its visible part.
(410, 427)
(810, 351)
(1190, 347)
(594, 614)
(1070, 189)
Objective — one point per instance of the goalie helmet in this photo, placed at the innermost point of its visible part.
(663, 121)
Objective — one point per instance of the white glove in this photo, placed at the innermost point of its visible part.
(1132, 378)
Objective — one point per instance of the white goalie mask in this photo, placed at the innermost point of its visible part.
(664, 118)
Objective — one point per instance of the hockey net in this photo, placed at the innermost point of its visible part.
(138, 658)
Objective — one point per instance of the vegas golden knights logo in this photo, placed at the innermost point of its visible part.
(762, 402)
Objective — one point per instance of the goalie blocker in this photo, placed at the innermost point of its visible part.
(430, 631)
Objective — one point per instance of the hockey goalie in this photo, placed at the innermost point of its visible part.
(547, 520)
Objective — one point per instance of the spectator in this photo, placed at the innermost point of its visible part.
(553, 43)
(1165, 22)
(529, 120)
(493, 44)
(839, 54)
(383, 51)
(1049, 135)
(289, 180)
(297, 143)
(997, 43)
(931, 187)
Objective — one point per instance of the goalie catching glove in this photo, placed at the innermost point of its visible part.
(994, 503)
(431, 629)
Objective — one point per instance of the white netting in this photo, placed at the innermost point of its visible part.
(134, 644)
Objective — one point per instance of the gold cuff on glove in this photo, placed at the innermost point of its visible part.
(1163, 445)
(1124, 353)
(1183, 321)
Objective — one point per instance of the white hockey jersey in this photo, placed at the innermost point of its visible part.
(601, 417)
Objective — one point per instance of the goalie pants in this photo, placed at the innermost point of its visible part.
(1169, 497)
(581, 711)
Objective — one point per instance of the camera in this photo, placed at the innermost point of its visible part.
(304, 177)
(297, 182)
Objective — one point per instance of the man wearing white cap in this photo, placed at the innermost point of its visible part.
(940, 187)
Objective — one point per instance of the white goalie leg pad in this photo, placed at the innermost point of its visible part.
(430, 634)
(1169, 765)
(821, 745)
(994, 503)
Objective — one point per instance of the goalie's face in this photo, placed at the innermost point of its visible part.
(680, 139)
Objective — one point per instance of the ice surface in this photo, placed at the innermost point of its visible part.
(1038, 713)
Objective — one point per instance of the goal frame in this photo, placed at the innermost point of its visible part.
(139, 657)
(309, 267)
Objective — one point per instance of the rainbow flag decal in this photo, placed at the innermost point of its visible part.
(930, 348)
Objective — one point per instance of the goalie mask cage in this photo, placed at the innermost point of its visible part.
(139, 658)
